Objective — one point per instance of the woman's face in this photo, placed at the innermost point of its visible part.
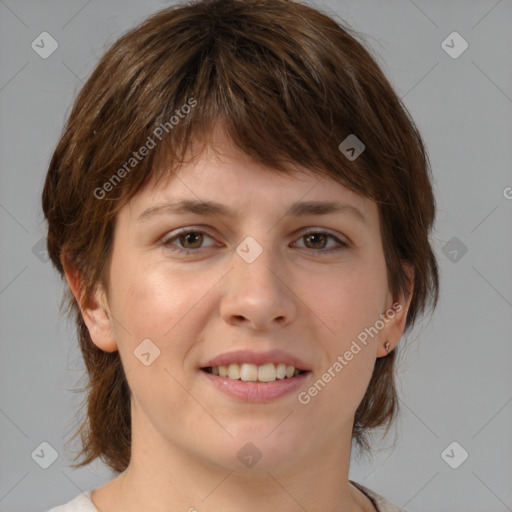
(256, 280)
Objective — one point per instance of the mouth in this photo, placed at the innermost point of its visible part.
(249, 372)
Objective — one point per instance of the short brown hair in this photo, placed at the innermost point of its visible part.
(289, 83)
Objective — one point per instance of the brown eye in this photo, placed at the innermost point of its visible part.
(191, 240)
(316, 240)
(188, 242)
(321, 243)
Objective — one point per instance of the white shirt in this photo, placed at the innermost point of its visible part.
(83, 503)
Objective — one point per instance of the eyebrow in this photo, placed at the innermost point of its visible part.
(300, 208)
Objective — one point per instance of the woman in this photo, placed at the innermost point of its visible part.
(241, 207)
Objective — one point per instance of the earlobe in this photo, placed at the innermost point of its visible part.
(396, 315)
(95, 312)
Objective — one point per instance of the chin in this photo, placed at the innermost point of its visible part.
(257, 450)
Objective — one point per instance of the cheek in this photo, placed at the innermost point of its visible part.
(146, 303)
(156, 302)
(152, 302)
(347, 302)
(151, 298)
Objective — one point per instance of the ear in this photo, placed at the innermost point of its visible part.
(95, 312)
(396, 315)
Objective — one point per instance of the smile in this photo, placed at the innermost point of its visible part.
(255, 390)
(249, 372)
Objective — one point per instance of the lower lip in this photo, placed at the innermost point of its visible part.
(257, 391)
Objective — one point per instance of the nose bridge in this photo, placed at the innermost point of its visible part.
(256, 286)
(254, 264)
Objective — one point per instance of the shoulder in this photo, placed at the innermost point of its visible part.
(82, 503)
(379, 502)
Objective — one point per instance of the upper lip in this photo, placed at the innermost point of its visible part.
(257, 358)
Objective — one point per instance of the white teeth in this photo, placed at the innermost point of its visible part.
(248, 372)
(234, 371)
(281, 371)
(268, 372)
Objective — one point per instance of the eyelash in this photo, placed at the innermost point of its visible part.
(188, 252)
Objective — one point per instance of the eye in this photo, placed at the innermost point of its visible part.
(318, 240)
(190, 241)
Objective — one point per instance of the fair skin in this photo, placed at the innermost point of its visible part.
(296, 296)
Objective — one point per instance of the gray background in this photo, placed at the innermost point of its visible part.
(455, 380)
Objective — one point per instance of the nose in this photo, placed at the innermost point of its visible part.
(259, 295)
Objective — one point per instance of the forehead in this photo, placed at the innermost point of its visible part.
(219, 172)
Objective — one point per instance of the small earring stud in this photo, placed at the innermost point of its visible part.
(386, 347)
